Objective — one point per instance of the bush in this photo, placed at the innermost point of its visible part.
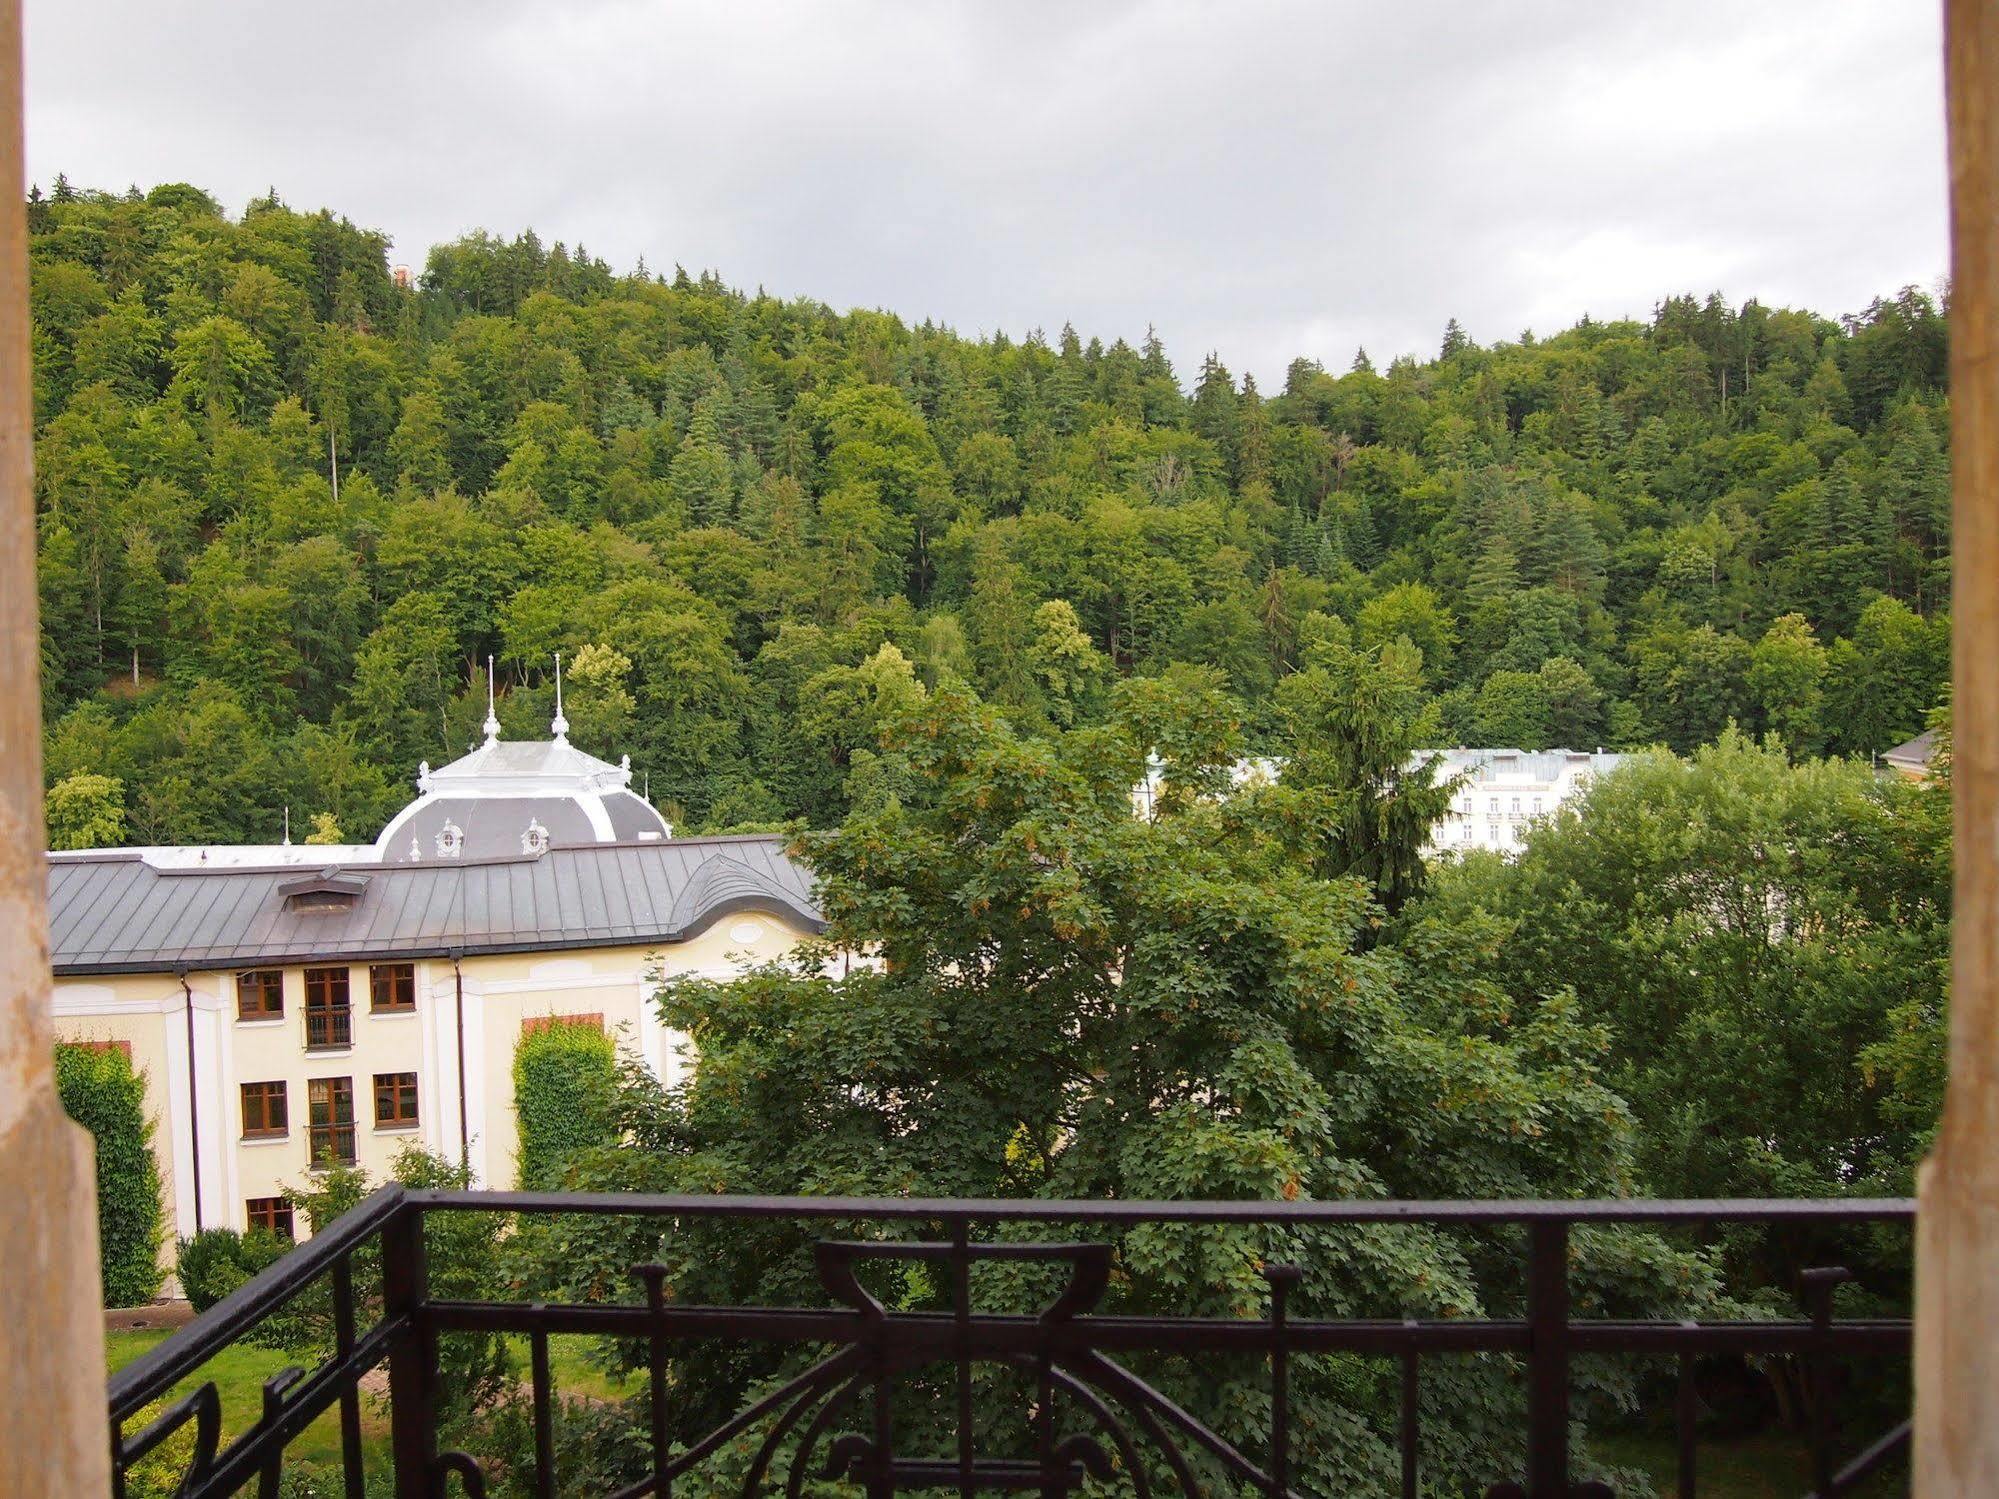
(600, 1445)
(158, 1474)
(104, 1095)
(462, 1254)
(565, 1078)
(218, 1260)
(299, 1482)
(325, 1481)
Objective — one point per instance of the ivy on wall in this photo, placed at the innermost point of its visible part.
(565, 1072)
(104, 1095)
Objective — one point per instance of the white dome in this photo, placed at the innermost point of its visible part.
(507, 799)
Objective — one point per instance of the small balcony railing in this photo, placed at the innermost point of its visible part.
(330, 1144)
(329, 1029)
(1086, 1413)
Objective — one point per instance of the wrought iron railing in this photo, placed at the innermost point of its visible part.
(328, 1027)
(834, 1417)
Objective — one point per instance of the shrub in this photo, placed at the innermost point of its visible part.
(600, 1445)
(158, 1474)
(303, 1480)
(462, 1255)
(104, 1095)
(298, 1482)
(218, 1260)
(565, 1078)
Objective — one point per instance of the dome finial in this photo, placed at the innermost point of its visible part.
(560, 725)
(492, 724)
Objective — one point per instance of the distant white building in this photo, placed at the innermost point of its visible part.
(1259, 771)
(1504, 790)
(1914, 760)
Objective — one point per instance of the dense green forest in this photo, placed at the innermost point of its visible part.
(944, 600)
(288, 506)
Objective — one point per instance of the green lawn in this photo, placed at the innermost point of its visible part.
(1768, 1465)
(570, 1367)
(239, 1373)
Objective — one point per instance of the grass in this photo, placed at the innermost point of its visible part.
(239, 1372)
(570, 1367)
(1766, 1465)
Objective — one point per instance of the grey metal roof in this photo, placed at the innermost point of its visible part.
(1915, 753)
(115, 913)
(493, 827)
(1503, 762)
(632, 816)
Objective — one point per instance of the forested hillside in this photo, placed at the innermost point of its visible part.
(288, 507)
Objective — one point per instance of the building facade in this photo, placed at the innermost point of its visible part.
(293, 1006)
(1504, 790)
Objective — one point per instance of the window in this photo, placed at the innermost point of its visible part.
(329, 1023)
(391, 986)
(1537, 806)
(331, 1101)
(395, 1100)
(272, 1214)
(1494, 808)
(260, 994)
(264, 1116)
(1516, 806)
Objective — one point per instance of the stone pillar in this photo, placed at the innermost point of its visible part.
(53, 1426)
(1957, 1232)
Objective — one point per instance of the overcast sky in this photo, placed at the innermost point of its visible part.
(1263, 179)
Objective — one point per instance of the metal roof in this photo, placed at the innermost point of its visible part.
(1502, 763)
(1913, 754)
(494, 827)
(113, 912)
(499, 799)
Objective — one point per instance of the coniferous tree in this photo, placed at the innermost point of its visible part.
(700, 478)
(524, 434)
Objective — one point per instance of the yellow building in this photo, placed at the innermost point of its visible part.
(293, 1004)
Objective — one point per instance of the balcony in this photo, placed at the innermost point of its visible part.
(331, 1145)
(329, 1029)
(880, 1393)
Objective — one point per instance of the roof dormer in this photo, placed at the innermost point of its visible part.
(330, 890)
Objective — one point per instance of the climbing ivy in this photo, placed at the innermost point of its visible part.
(102, 1093)
(564, 1074)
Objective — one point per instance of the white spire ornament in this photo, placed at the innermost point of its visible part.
(492, 724)
(560, 725)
